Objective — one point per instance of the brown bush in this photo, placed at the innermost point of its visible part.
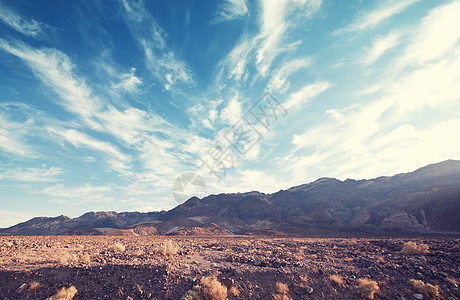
(64, 294)
(208, 289)
(117, 247)
(411, 248)
(425, 288)
(168, 248)
(282, 292)
(337, 279)
(367, 288)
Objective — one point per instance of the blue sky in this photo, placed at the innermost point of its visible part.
(103, 104)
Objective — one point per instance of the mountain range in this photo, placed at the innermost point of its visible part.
(424, 201)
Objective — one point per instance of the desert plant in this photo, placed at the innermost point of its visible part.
(64, 294)
(282, 292)
(117, 247)
(208, 289)
(411, 248)
(337, 279)
(234, 291)
(168, 248)
(367, 288)
(425, 288)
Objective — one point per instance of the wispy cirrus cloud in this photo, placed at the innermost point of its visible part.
(32, 174)
(305, 94)
(164, 64)
(230, 10)
(371, 19)
(55, 70)
(27, 27)
(13, 136)
(380, 46)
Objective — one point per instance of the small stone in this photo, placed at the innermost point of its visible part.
(418, 296)
(21, 288)
(308, 289)
(213, 265)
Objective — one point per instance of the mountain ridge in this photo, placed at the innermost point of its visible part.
(425, 200)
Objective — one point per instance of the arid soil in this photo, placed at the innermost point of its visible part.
(105, 267)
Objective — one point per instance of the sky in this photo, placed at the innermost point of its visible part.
(105, 104)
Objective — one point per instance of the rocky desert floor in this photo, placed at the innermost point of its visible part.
(104, 267)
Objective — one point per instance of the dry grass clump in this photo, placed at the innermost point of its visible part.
(208, 289)
(64, 294)
(34, 285)
(425, 288)
(282, 292)
(168, 248)
(411, 248)
(117, 247)
(234, 291)
(63, 257)
(367, 288)
(337, 279)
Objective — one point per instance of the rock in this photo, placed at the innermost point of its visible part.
(213, 265)
(418, 296)
(308, 289)
(21, 288)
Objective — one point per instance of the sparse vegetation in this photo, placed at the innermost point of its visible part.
(337, 279)
(411, 248)
(208, 289)
(234, 291)
(367, 288)
(426, 289)
(282, 292)
(117, 247)
(168, 248)
(64, 294)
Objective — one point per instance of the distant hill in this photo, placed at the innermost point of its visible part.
(426, 200)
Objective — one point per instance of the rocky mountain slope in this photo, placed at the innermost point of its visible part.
(426, 200)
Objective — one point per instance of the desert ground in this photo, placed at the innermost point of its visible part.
(108, 267)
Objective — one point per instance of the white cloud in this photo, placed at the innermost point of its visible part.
(230, 10)
(79, 139)
(279, 81)
(438, 33)
(305, 94)
(80, 194)
(128, 82)
(56, 70)
(32, 174)
(232, 112)
(379, 46)
(164, 64)
(378, 15)
(12, 136)
(26, 27)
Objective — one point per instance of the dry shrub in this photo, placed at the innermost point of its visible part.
(367, 288)
(282, 288)
(117, 247)
(8, 244)
(234, 291)
(425, 288)
(282, 292)
(168, 248)
(209, 289)
(62, 257)
(337, 279)
(64, 294)
(34, 285)
(411, 248)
